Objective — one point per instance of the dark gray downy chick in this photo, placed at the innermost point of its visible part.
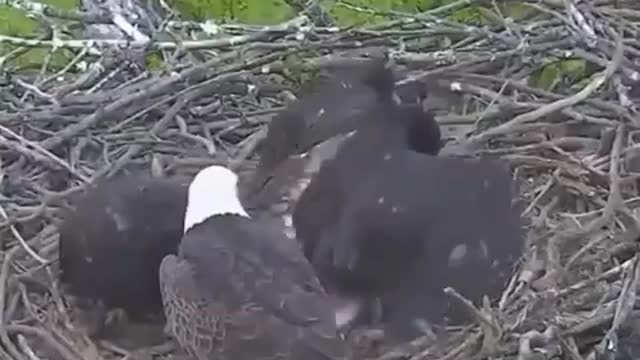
(239, 289)
(111, 245)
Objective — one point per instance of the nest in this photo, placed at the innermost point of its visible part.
(571, 141)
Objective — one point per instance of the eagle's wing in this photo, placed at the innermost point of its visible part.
(250, 293)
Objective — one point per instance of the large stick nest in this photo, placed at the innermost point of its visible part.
(573, 144)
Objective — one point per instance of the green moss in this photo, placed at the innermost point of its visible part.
(549, 76)
(546, 78)
(154, 61)
(263, 12)
(575, 69)
(62, 4)
(517, 11)
(347, 16)
(275, 11)
(472, 15)
(488, 15)
(200, 10)
(15, 22)
(34, 58)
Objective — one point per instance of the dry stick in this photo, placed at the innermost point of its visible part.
(600, 238)
(597, 103)
(94, 71)
(135, 149)
(24, 345)
(4, 275)
(570, 348)
(615, 271)
(47, 337)
(159, 88)
(184, 132)
(71, 344)
(49, 198)
(557, 105)
(250, 144)
(402, 351)
(41, 150)
(182, 99)
(524, 350)
(477, 314)
(624, 307)
(543, 190)
(614, 200)
(455, 352)
(37, 91)
(21, 240)
(104, 111)
(627, 298)
(602, 318)
(81, 54)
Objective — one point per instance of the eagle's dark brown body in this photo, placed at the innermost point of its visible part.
(113, 240)
(436, 222)
(241, 290)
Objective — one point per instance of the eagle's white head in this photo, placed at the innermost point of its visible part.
(213, 191)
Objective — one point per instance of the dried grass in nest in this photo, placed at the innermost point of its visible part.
(572, 146)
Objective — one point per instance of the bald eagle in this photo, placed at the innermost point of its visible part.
(113, 239)
(238, 288)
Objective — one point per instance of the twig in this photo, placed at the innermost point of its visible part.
(598, 81)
